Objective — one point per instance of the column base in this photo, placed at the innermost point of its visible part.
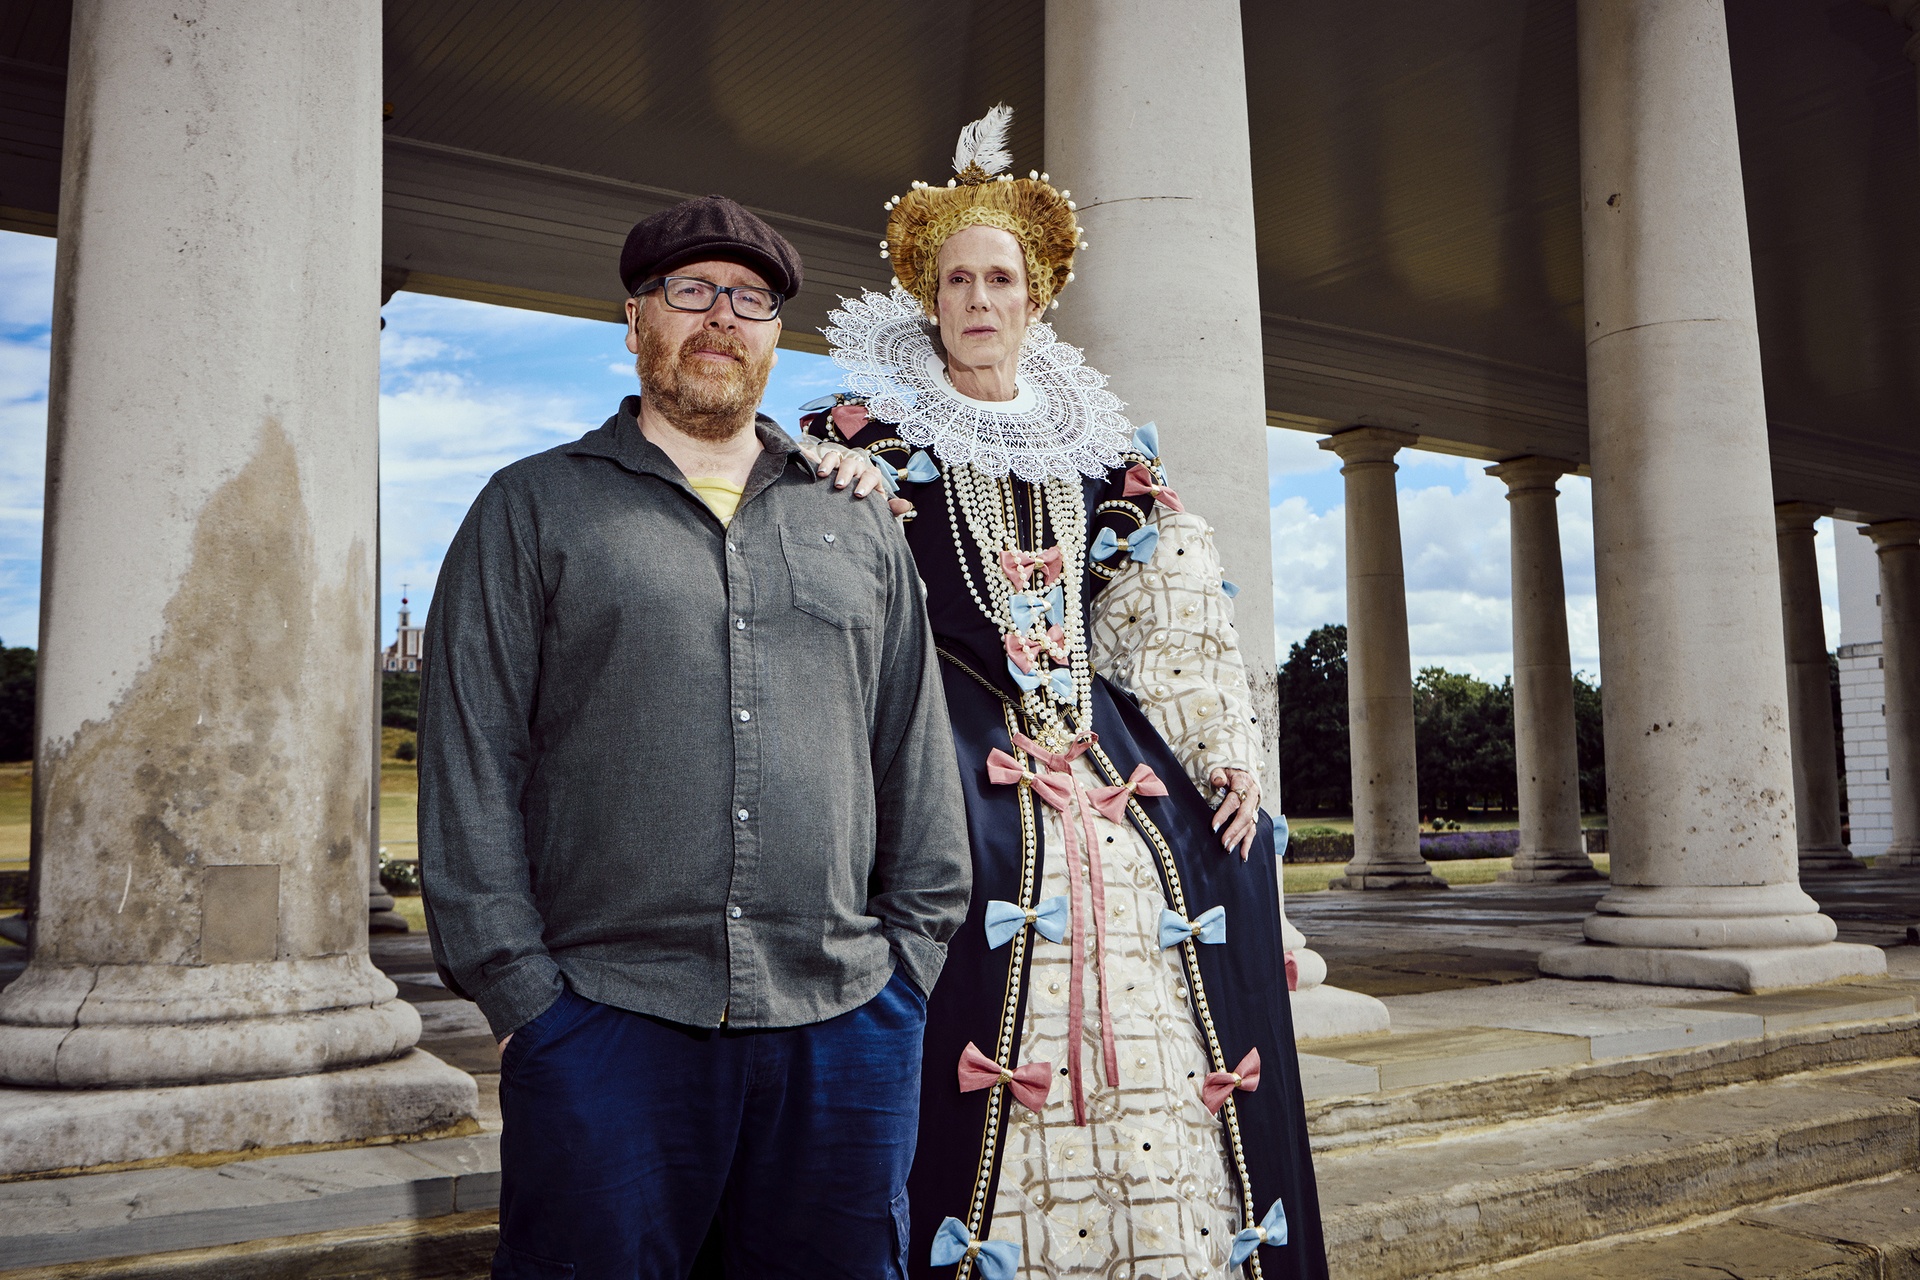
(1326, 1013)
(1549, 868)
(1724, 969)
(1900, 854)
(1829, 858)
(414, 1096)
(1386, 878)
(152, 1026)
(387, 921)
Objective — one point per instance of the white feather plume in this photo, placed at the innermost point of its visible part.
(984, 142)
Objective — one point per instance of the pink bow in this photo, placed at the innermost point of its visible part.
(1019, 566)
(1219, 1085)
(1029, 1085)
(1022, 649)
(1140, 480)
(1293, 972)
(1004, 770)
(852, 419)
(1111, 802)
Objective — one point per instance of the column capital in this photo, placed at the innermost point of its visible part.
(1887, 534)
(1368, 444)
(1530, 473)
(1797, 517)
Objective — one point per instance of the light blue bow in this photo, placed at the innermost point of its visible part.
(1209, 926)
(1229, 588)
(1004, 919)
(1030, 606)
(1146, 440)
(1272, 1230)
(1280, 835)
(1060, 684)
(1027, 680)
(1140, 545)
(920, 468)
(993, 1259)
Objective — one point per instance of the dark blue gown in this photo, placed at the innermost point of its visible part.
(1244, 979)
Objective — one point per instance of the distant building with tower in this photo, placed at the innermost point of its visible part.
(1863, 699)
(407, 653)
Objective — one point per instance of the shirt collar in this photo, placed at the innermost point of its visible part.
(620, 439)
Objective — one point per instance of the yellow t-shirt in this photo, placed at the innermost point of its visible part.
(723, 497)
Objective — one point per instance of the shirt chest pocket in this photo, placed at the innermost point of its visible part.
(835, 575)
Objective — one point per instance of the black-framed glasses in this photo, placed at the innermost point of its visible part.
(691, 293)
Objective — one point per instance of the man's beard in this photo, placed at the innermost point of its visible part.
(707, 399)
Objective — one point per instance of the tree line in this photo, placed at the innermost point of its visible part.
(1462, 730)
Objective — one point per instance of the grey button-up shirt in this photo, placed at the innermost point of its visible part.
(703, 772)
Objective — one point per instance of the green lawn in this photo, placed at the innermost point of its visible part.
(1310, 877)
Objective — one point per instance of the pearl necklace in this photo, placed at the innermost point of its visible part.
(989, 508)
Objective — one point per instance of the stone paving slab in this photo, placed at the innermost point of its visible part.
(1457, 1053)
(1850, 1002)
(1883, 1216)
(1322, 1077)
(111, 1215)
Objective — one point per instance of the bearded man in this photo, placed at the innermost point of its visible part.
(690, 822)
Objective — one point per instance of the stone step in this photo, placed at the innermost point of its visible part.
(1861, 1231)
(454, 1247)
(1422, 1083)
(89, 1218)
(1474, 1197)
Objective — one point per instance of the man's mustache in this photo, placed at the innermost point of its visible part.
(708, 341)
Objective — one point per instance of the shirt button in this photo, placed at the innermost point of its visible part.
(733, 913)
(745, 716)
(739, 624)
(742, 815)
(827, 536)
(730, 546)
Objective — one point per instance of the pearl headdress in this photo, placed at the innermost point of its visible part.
(982, 193)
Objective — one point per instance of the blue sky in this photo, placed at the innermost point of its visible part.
(467, 388)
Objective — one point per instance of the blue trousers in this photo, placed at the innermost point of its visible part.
(627, 1137)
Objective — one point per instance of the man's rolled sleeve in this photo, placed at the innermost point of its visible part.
(481, 675)
(923, 871)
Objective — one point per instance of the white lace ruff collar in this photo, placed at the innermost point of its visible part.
(1062, 422)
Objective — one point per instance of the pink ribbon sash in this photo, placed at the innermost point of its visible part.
(1062, 792)
(1029, 1085)
(1219, 1085)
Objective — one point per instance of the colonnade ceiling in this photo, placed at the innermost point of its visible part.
(1416, 175)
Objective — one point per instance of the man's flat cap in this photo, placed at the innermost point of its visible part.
(712, 227)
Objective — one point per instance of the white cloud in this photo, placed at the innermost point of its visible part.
(1454, 540)
(26, 267)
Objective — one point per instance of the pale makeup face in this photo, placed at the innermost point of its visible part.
(982, 306)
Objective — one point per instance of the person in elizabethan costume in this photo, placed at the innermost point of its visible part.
(1110, 1084)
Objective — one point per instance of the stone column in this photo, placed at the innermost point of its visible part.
(1898, 542)
(1386, 784)
(1546, 753)
(203, 738)
(1816, 772)
(1146, 123)
(1147, 126)
(1705, 866)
